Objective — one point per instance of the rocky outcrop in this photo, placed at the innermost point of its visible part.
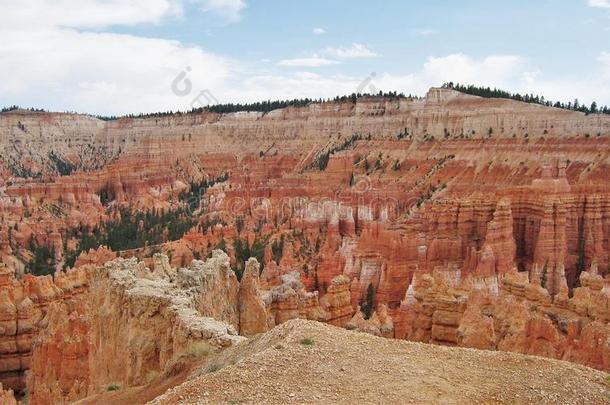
(379, 323)
(252, 310)
(24, 312)
(462, 115)
(98, 256)
(7, 397)
(219, 288)
(290, 300)
(337, 301)
(472, 222)
(521, 317)
(131, 323)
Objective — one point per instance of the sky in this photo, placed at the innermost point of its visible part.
(113, 57)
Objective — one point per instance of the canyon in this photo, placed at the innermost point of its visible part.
(128, 246)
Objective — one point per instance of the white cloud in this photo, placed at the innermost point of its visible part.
(56, 67)
(530, 77)
(319, 31)
(494, 70)
(37, 14)
(599, 3)
(313, 61)
(516, 74)
(230, 10)
(497, 70)
(306, 75)
(289, 86)
(604, 59)
(101, 72)
(425, 32)
(509, 72)
(354, 51)
(52, 60)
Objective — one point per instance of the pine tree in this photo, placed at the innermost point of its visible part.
(543, 277)
(367, 308)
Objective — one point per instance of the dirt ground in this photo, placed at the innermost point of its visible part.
(309, 362)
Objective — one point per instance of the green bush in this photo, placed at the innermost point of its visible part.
(307, 341)
(198, 349)
(212, 368)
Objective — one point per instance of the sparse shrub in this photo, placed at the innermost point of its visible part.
(543, 277)
(113, 387)
(212, 368)
(307, 341)
(243, 252)
(277, 249)
(198, 349)
(151, 375)
(43, 260)
(239, 224)
(367, 308)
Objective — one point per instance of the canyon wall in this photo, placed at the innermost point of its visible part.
(449, 219)
(132, 323)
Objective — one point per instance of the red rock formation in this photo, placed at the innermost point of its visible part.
(7, 397)
(99, 256)
(465, 238)
(24, 307)
(130, 324)
(252, 311)
(337, 301)
(521, 318)
(379, 324)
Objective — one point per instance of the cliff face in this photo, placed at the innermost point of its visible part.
(450, 219)
(24, 312)
(132, 323)
(516, 316)
(129, 326)
(27, 139)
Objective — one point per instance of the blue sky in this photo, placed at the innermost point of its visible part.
(123, 56)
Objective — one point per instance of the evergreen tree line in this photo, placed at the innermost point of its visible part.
(243, 252)
(134, 230)
(488, 92)
(42, 262)
(322, 160)
(260, 106)
(16, 107)
(198, 189)
(277, 249)
(63, 167)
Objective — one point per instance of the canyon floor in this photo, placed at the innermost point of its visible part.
(309, 362)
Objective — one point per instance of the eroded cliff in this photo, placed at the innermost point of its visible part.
(449, 219)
